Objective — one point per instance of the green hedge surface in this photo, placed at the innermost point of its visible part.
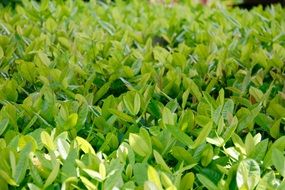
(139, 95)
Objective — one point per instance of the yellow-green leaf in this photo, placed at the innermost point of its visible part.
(153, 177)
(84, 145)
(47, 141)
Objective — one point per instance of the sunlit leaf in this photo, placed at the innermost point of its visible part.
(248, 174)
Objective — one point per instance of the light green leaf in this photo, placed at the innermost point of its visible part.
(249, 144)
(102, 170)
(248, 174)
(88, 184)
(33, 186)
(139, 145)
(132, 102)
(47, 141)
(94, 174)
(63, 147)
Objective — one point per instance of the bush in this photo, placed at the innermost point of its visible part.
(141, 96)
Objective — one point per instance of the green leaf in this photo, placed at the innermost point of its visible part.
(160, 161)
(1, 52)
(259, 150)
(3, 125)
(248, 174)
(274, 129)
(166, 182)
(114, 180)
(187, 181)
(121, 115)
(44, 59)
(64, 42)
(9, 91)
(102, 91)
(168, 116)
(179, 135)
(194, 89)
(228, 108)
(13, 165)
(33, 186)
(22, 164)
(102, 170)
(50, 24)
(256, 93)
(202, 135)
(279, 144)
(145, 135)
(63, 147)
(276, 110)
(34, 172)
(207, 182)
(207, 155)
(238, 143)
(230, 129)
(140, 173)
(71, 121)
(53, 175)
(139, 145)
(278, 161)
(182, 155)
(94, 174)
(185, 97)
(7, 178)
(68, 167)
(88, 184)
(268, 182)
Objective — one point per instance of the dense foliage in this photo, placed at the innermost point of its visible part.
(139, 95)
